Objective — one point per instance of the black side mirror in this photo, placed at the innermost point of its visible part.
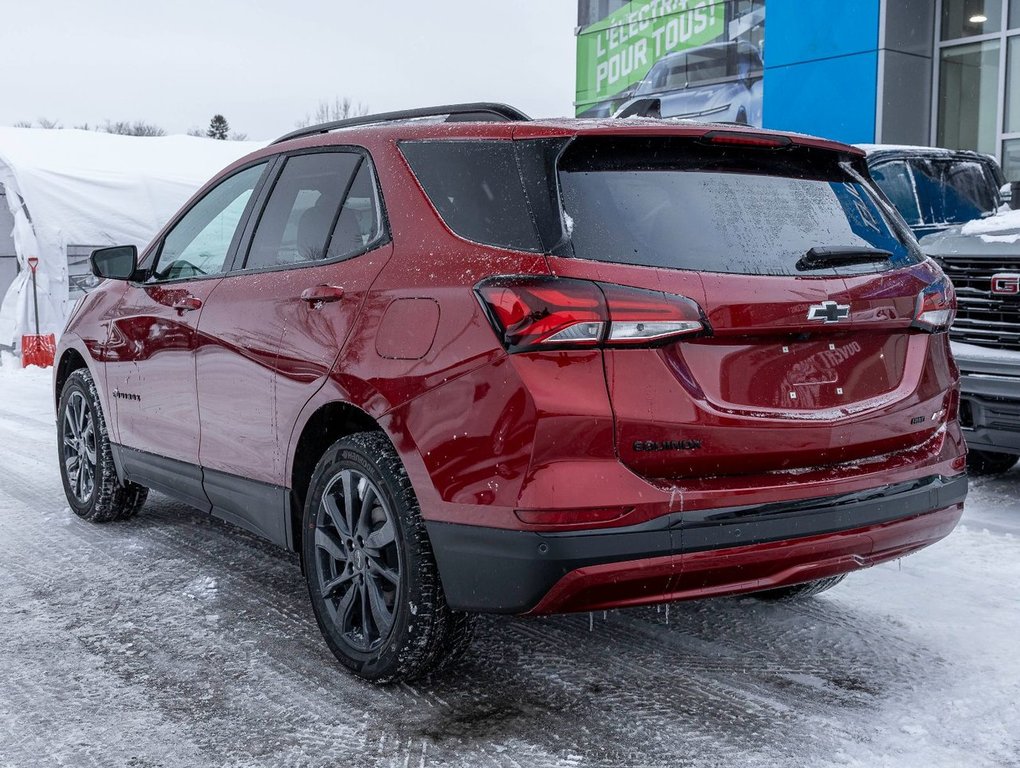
(117, 263)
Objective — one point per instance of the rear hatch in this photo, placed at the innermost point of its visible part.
(809, 350)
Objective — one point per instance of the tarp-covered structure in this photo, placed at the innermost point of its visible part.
(73, 190)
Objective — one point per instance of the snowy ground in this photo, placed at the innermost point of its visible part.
(175, 640)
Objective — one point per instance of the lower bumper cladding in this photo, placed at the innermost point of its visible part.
(691, 554)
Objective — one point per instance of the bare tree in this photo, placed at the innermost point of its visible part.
(137, 128)
(41, 122)
(195, 131)
(339, 109)
(238, 136)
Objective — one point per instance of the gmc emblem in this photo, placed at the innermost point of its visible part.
(1006, 283)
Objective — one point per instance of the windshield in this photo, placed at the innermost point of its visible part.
(931, 191)
(719, 212)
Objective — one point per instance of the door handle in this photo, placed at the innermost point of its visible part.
(186, 304)
(322, 294)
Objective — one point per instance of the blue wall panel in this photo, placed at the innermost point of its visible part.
(821, 67)
(834, 98)
(804, 30)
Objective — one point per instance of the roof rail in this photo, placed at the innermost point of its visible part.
(477, 111)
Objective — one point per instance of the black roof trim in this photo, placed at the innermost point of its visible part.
(480, 111)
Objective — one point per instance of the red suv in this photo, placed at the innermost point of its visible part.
(466, 362)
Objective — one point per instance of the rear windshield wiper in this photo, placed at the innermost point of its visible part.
(841, 255)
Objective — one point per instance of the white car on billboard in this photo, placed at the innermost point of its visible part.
(721, 82)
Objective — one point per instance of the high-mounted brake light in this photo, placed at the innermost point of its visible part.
(545, 313)
(936, 307)
(741, 139)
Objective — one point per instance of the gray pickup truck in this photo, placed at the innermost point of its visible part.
(956, 203)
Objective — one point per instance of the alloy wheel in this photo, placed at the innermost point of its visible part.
(357, 560)
(79, 444)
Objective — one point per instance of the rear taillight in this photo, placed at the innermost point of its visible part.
(936, 307)
(545, 313)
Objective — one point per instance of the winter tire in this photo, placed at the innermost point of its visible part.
(799, 591)
(989, 463)
(86, 460)
(372, 578)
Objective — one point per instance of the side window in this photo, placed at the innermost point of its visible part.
(323, 206)
(200, 242)
(477, 189)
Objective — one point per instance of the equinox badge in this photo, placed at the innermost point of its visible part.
(829, 311)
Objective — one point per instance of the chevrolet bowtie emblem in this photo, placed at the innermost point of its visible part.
(829, 312)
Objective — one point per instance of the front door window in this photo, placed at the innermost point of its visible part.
(201, 241)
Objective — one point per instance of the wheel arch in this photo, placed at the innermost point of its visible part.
(70, 361)
(328, 423)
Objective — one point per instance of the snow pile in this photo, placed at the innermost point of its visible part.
(1000, 222)
(27, 390)
(72, 187)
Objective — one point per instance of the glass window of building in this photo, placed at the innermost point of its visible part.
(968, 103)
(1011, 159)
(1012, 122)
(967, 18)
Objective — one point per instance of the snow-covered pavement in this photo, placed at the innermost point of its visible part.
(175, 640)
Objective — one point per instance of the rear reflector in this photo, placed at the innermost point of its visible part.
(564, 519)
(545, 313)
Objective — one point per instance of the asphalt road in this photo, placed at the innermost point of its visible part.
(176, 640)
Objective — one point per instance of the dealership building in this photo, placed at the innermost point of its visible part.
(927, 72)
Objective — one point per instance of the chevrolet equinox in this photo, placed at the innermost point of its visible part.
(462, 361)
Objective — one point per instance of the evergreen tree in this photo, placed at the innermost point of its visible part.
(219, 128)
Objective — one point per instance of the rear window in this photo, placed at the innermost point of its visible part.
(680, 205)
(673, 203)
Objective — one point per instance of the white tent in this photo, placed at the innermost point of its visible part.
(70, 191)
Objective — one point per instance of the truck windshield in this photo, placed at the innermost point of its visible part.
(937, 192)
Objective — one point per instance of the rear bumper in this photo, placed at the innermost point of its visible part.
(691, 554)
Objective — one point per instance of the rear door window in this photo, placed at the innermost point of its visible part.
(657, 204)
(323, 206)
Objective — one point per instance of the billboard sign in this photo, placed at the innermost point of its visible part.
(703, 59)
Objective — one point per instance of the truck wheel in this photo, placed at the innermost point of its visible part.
(989, 463)
(86, 459)
(799, 591)
(372, 578)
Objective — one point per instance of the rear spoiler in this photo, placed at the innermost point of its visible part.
(651, 107)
